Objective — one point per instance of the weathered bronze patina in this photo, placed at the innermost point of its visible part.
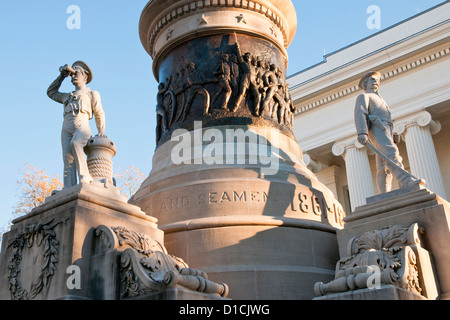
(223, 80)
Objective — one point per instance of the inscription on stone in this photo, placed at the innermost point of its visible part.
(232, 196)
(176, 203)
(302, 203)
(306, 202)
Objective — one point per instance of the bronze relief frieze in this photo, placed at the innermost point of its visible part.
(223, 80)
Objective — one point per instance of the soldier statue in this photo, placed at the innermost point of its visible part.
(374, 126)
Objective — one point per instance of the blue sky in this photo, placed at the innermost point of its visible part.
(35, 42)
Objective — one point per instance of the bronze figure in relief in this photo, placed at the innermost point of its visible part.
(219, 84)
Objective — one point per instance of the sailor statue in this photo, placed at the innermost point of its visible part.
(79, 107)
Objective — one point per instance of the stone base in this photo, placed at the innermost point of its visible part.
(394, 193)
(268, 234)
(271, 283)
(406, 207)
(47, 253)
(387, 292)
(262, 258)
(179, 294)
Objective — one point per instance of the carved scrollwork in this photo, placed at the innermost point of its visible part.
(386, 255)
(142, 243)
(156, 271)
(146, 267)
(140, 274)
(41, 234)
(386, 238)
(410, 280)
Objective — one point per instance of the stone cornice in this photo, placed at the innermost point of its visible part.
(386, 74)
(165, 23)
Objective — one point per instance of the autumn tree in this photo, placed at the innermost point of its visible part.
(129, 181)
(35, 185)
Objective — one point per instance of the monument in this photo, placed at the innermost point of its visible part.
(79, 107)
(374, 124)
(391, 248)
(86, 241)
(229, 192)
(228, 184)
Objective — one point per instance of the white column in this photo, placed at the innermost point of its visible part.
(417, 131)
(359, 175)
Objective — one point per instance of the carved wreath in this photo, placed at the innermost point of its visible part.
(34, 234)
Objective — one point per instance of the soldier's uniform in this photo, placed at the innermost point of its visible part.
(373, 118)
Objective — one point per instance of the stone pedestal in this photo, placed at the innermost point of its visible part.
(85, 242)
(47, 254)
(386, 292)
(228, 183)
(266, 236)
(416, 205)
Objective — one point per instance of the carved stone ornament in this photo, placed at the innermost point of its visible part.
(221, 62)
(40, 235)
(100, 150)
(146, 267)
(387, 255)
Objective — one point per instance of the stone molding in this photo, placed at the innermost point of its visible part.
(388, 74)
(241, 220)
(176, 22)
(147, 268)
(421, 119)
(394, 254)
(90, 193)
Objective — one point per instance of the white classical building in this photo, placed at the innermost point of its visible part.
(413, 57)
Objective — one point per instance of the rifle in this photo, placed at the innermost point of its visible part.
(392, 163)
(237, 45)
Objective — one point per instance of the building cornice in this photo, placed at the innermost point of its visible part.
(388, 73)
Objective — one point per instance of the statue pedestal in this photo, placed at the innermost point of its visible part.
(228, 183)
(178, 294)
(268, 237)
(55, 241)
(407, 207)
(86, 242)
(387, 292)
